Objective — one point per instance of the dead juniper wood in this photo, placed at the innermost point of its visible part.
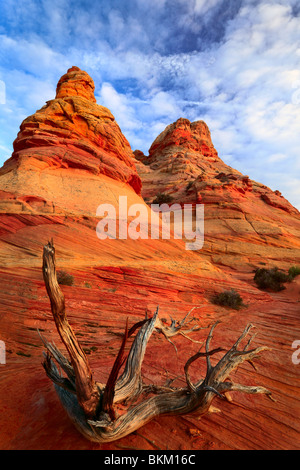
(92, 406)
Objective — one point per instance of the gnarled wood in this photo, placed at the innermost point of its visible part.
(92, 405)
(87, 392)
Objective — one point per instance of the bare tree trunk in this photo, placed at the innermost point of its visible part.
(93, 407)
(87, 392)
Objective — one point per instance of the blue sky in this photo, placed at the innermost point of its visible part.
(233, 63)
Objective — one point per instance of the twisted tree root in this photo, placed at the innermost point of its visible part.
(92, 405)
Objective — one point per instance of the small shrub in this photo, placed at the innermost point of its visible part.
(189, 185)
(270, 278)
(229, 298)
(21, 353)
(89, 350)
(65, 278)
(162, 198)
(293, 272)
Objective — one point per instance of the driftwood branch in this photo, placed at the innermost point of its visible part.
(87, 391)
(93, 406)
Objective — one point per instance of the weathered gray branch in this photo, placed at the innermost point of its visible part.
(87, 391)
(93, 407)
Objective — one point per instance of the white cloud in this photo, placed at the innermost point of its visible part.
(202, 6)
(277, 157)
(164, 104)
(33, 57)
(120, 106)
(128, 112)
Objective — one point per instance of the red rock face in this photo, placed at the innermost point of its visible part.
(193, 136)
(246, 223)
(69, 157)
(76, 83)
(72, 131)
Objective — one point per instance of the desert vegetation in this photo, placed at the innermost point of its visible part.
(189, 185)
(293, 272)
(228, 298)
(64, 278)
(274, 278)
(162, 198)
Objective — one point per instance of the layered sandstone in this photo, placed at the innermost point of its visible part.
(246, 223)
(68, 158)
(68, 149)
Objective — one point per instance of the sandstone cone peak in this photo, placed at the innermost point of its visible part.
(70, 141)
(185, 134)
(76, 82)
(245, 221)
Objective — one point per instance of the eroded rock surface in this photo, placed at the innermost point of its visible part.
(71, 156)
(246, 223)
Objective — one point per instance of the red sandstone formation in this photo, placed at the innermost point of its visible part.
(246, 223)
(68, 158)
(69, 132)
